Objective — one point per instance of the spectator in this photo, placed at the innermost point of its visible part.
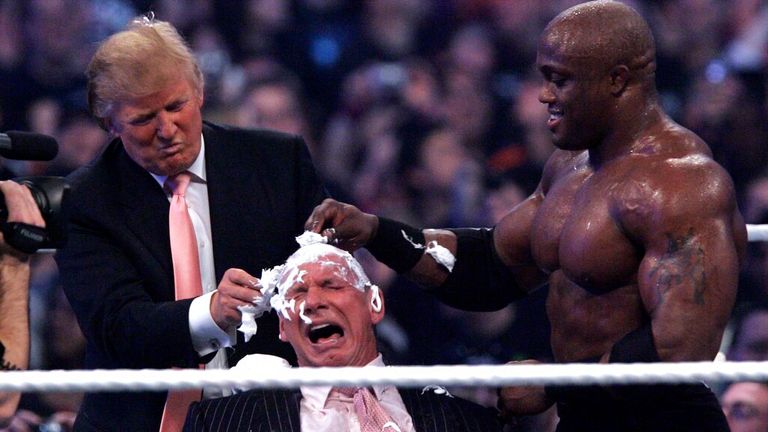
(750, 336)
(745, 405)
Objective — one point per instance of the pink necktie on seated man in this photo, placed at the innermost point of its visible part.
(187, 282)
(370, 413)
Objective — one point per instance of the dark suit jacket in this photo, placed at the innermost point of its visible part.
(278, 411)
(117, 272)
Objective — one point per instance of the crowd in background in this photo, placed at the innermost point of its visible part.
(426, 111)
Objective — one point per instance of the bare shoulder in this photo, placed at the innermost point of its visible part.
(681, 185)
(560, 163)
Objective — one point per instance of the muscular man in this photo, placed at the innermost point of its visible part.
(633, 225)
(14, 292)
(249, 194)
(329, 323)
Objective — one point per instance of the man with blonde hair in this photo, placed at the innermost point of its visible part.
(143, 298)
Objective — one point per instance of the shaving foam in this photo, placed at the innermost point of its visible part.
(275, 282)
(439, 253)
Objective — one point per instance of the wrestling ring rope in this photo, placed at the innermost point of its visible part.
(401, 376)
(756, 233)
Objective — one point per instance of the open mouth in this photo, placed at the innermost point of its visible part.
(323, 333)
(555, 115)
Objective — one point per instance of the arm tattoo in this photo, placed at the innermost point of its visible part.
(684, 258)
(4, 365)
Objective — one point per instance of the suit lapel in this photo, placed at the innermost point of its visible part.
(438, 412)
(420, 410)
(146, 207)
(236, 192)
(272, 411)
(284, 407)
(431, 412)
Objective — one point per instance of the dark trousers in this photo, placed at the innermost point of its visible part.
(639, 408)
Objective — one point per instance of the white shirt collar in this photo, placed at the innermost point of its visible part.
(197, 169)
(317, 395)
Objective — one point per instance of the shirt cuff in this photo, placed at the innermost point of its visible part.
(207, 336)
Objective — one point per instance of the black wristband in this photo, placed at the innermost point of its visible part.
(480, 281)
(636, 347)
(397, 245)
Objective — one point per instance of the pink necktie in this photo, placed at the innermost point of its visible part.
(186, 277)
(370, 413)
(186, 261)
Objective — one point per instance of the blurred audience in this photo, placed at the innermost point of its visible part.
(750, 335)
(422, 110)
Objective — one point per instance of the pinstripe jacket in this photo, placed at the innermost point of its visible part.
(278, 411)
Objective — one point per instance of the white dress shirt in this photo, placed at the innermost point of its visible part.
(323, 412)
(207, 336)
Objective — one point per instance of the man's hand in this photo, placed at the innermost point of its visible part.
(345, 225)
(21, 208)
(14, 289)
(519, 401)
(237, 288)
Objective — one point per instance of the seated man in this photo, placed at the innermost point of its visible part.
(328, 308)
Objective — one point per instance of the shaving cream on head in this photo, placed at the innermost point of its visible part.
(375, 298)
(276, 281)
(316, 252)
(351, 271)
(309, 237)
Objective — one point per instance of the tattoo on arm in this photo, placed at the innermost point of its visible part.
(683, 259)
(5, 365)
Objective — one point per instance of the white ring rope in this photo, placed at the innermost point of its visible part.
(757, 233)
(402, 376)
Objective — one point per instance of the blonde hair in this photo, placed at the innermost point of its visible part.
(138, 61)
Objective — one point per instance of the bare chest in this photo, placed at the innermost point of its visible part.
(576, 231)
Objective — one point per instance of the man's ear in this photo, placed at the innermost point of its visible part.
(200, 94)
(108, 125)
(104, 124)
(375, 304)
(280, 334)
(619, 76)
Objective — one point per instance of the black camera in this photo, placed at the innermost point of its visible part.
(49, 193)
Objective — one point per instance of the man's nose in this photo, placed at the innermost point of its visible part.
(314, 299)
(545, 94)
(166, 126)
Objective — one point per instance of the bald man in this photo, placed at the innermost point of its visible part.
(633, 226)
